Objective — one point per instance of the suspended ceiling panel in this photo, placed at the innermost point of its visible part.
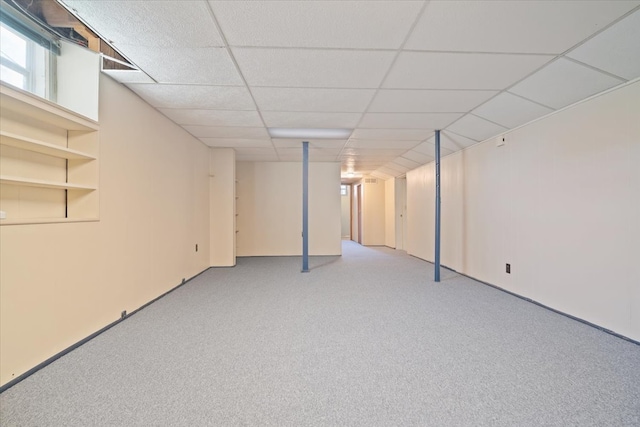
(436, 70)
(317, 100)
(313, 68)
(474, 127)
(564, 82)
(510, 110)
(428, 101)
(321, 24)
(237, 142)
(187, 65)
(393, 71)
(151, 24)
(195, 96)
(509, 26)
(615, 50)
(310, 119)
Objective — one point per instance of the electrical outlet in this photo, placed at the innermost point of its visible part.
(508, 268)
(123, 314)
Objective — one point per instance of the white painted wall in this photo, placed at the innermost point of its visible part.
(59, 283)
(78, 84)
(559, 202)
(345, 205)
(401, 212)
(373, 212)
(390, 213)
(222, 201)
(269, 207)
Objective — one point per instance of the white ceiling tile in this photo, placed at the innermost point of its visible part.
(195, 97)
(256, 155)
(237, 142)
(510, 111)
(311, 120)
(563, 82)
(417, 157)
(396, 166)
(313, 143)
(150, 23)
(185, 65)
(406, 162)
(381, 175)
(451, 141)
(408, 120)
(213, 117)
(313, 68)
(476, 128)
(373, 153)
(227, 132)
(429, 149)
(320, 100)
(392, 134)
(317, 155)
(376, 143)
(512, 26)
(337, 24)
(391, 172)
(615, 50)
(428, 101)
(436, 70)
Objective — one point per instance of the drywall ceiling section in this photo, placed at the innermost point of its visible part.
(393, 71)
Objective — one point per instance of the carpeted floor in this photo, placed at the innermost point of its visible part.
(366, 339)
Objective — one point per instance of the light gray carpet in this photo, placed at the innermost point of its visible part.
(363, 340)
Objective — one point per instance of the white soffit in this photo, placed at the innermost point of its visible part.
(313, 68)
(195, 97)
(392, 134)
(437, 70)
(512, 26)
(373, 143)
(476, 128)
(237, 143)
(388, 171)
(396, 166)
(563, 82)
(418, 157)
(510, 110)
(333, 24)
(227, 132)
(615, 50)
(213, 117)
(307, 99)
(313, 143)
(150, 23)
(185, 65)
(452, 141)
(428, 101)
(128, 76)
(310, 120)
(408, 120)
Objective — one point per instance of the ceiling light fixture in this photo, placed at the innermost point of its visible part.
(302, 133)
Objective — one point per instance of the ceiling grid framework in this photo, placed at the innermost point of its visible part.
(392, 71)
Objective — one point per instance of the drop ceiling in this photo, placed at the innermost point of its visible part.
(393, 71)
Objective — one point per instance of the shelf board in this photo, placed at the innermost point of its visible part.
(26, 182)
(29, 144)
(34, 107)
(26, 221)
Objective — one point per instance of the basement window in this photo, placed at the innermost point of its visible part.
(26, 58)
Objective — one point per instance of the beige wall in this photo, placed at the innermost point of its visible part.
(559, 202)
(390, 213)
(222, 201)
(345, 206)
(269, 207)
(60, 283)
(373, 212)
